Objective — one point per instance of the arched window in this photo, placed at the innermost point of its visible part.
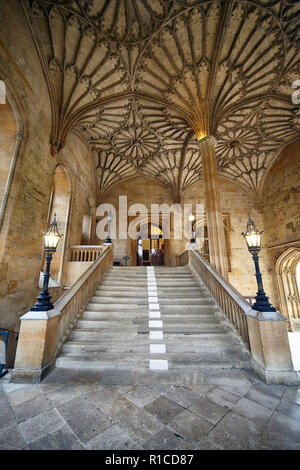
(11, 130)
(287, 272)
(59, 205)
(298, 276)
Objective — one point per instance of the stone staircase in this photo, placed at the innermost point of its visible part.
(152, 318)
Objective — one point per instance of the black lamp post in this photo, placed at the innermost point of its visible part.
(191, 219)
(253, 240)
(109, 221)
(51, 240)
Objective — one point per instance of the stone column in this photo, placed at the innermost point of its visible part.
(215, 225)
(66, 244)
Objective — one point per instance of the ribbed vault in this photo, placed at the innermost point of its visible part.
(140, 80)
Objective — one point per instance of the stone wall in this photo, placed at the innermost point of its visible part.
(138, 190)
(281, 197)
(281, 209)
(236, 203)
(25, 219)
(8, 131)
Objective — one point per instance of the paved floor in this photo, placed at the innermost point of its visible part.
(220, 409)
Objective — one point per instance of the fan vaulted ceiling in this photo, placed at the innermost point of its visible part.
(141, 79)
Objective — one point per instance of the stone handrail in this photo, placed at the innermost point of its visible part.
(233, 305)
(42, 334)
(86, 253)
(71, 304)
(264, 334)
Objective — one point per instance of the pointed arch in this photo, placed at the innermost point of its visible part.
(288, 291)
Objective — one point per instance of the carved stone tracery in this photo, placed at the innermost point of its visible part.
(188, 67)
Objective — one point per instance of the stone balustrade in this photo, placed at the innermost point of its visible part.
(85, 253)
(264, 334)
(42, 334)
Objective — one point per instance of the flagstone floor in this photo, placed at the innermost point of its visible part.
(155, 410)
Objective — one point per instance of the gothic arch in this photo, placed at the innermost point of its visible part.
(60, 204)
(9, 112)
(276, 156)
(288, 292)
(14, 160)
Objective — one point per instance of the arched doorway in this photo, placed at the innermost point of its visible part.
(153, 246)
(287, 271)
(59, 205)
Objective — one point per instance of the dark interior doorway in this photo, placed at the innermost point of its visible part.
(152, 246)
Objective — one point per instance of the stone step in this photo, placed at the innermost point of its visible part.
(144, 310)
(118, 316)
(146, 269)
(119, 335)
(106, 291)
(208, 343)
(175, 360)
(102, 335)
(134, 293)
(95, 306)
(143, 300)
(187, 329)
(133, 275)
(114, 330)
(142, 322)
(121, 299)
(143, 283)
(143, 275)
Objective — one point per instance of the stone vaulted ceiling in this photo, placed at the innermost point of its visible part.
(141, 79)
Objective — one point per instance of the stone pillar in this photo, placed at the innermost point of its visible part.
(66, 244)
(93, 238)
(270, 349)
(36, 346)
(215, 225)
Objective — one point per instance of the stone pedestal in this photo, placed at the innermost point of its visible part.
(270, 350)
(35, 354)
(215, 225)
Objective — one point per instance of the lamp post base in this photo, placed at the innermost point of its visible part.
(43, 303)
(262, 303)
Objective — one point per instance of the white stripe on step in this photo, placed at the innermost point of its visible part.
(154, 314)
(152, 284)
(153, 306)
(157, 348)
(152, 288)
(159, 364)
(156, 335)
(155, 324)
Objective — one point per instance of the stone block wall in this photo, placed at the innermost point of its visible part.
(25, 218)
(236, 203)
